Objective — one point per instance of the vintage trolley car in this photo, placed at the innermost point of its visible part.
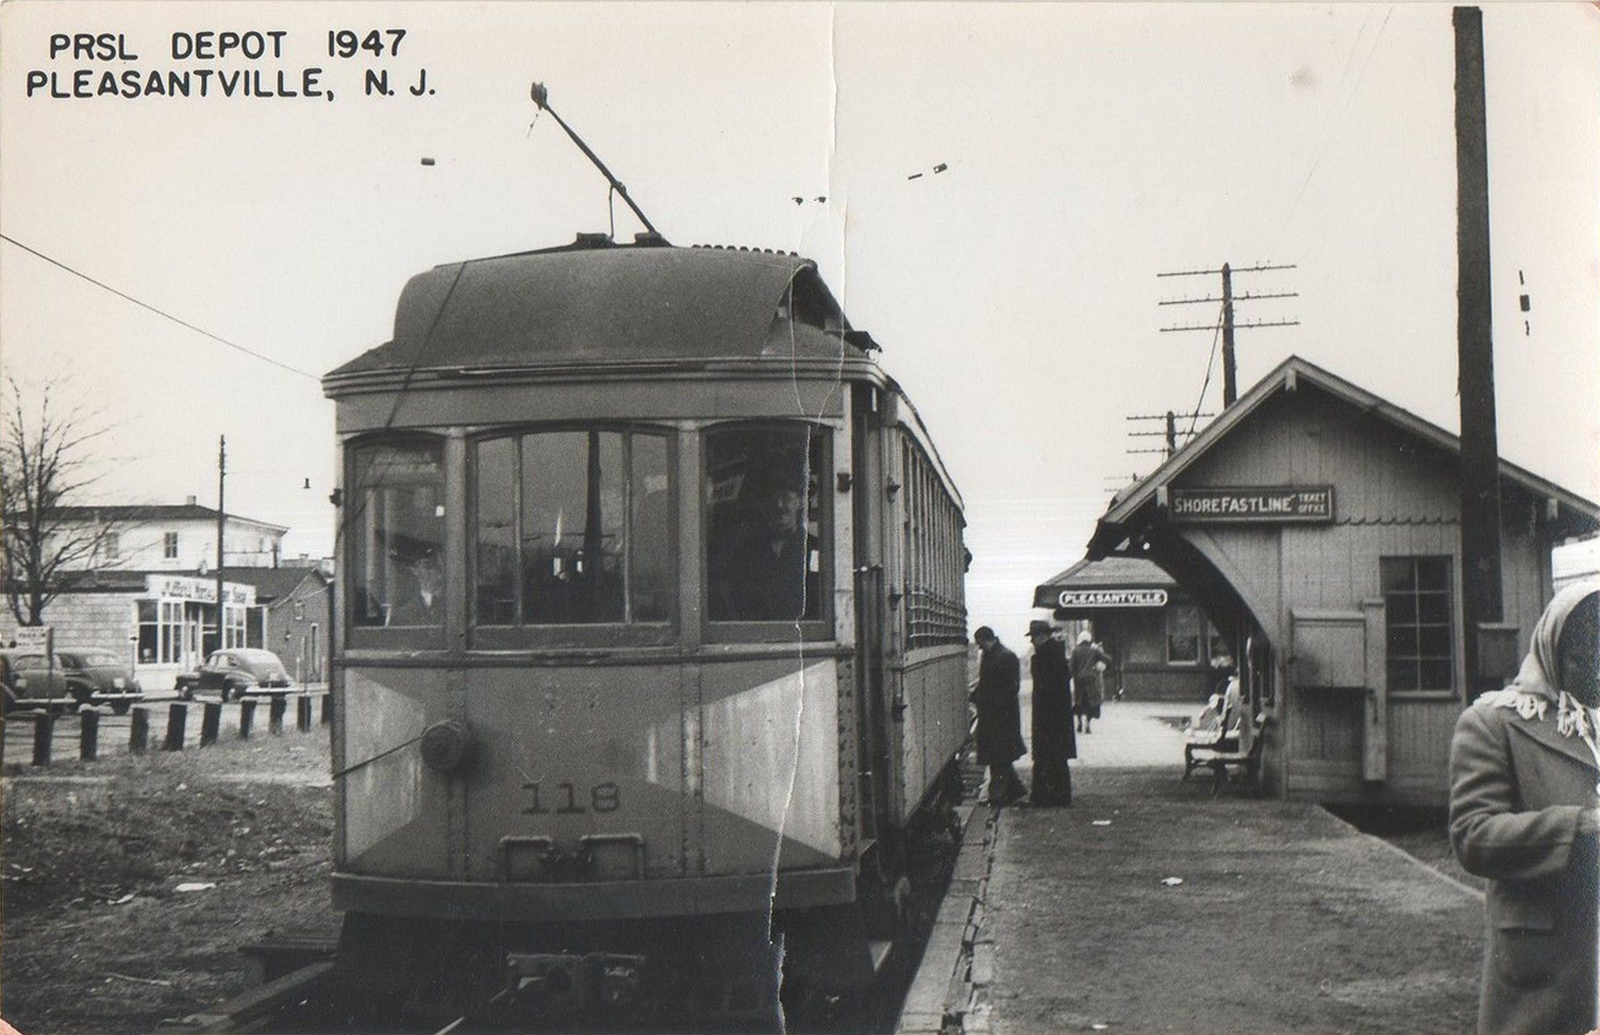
(651, 620)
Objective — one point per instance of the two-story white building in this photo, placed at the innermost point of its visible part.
(151, 590)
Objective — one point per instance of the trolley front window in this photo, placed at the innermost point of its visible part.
(765, 535)
(396, 529)
(573, 528)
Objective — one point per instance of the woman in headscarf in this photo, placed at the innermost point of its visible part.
(1088, 690)
(1523, 812)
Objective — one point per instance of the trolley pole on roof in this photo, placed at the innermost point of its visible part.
(1480, 452)
(541, 98)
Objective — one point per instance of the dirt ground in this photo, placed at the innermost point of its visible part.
(96, 936)
(1285, 919)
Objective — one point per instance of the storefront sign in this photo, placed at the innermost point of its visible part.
(1251, 505)
(35, 637)
(204, 591)
(1112, 598)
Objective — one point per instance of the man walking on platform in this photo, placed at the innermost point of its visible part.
(999, 736)
(1053, 739)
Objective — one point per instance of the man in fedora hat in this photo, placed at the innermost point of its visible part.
(1053, 739)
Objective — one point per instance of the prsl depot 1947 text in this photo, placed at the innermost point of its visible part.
(226, 63)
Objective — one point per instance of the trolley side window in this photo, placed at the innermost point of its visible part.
(397, 535)
(934, 559)
(573, 528)
(765, 523)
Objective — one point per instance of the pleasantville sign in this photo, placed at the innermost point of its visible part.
(1251, 504)
(1112, 598)
(1095, 597)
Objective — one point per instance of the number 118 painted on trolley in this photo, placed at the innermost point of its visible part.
(603, 797)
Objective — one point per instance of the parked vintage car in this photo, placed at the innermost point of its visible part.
(78, 677)
(237, 671)
(100, 677)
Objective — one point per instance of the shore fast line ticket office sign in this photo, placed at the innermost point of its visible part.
(1271, 505)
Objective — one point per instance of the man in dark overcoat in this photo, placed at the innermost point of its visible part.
(1053, 739)
(999, 736)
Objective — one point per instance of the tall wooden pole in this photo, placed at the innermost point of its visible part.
(1480, 452)
(1230, 376)
(222, 473)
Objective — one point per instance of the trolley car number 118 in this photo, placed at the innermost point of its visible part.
(603, 797)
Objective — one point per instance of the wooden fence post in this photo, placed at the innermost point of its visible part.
(247, 717)
(44, 725)
(139, 732)
(89, 735)
(302, 714)
(210, 722)
(327, 707)
(177, 720)
(275, 710)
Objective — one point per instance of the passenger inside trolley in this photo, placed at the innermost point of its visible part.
(766, 558)
(416, 596)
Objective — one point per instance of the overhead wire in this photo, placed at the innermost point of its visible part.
(158, 310)
(1211, 364)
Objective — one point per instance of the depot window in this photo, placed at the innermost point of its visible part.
(1419, 633)
(573, 527)
(765, 493)
(1183, 634)
(395, 523)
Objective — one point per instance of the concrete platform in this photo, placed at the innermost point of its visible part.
(1149, 906)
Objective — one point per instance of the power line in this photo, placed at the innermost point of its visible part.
(158, 311)
(1210, 363)
(1237, 326)
(1239, 269)
(1236, 298)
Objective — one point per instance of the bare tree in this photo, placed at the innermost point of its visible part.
(46, 464)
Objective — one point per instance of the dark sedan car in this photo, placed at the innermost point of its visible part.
(100, 677)
(78, 677)
(235, 672)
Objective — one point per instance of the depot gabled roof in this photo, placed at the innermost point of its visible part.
(1289, 375)
(598, 302)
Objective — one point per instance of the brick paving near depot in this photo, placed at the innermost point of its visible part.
(1286, 919)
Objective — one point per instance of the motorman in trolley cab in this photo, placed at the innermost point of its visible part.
(689, 663)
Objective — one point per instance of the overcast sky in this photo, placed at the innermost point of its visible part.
(1087, 149)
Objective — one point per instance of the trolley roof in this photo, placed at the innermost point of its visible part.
(595, 302)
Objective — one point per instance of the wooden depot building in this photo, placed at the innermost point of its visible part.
(1318, 526)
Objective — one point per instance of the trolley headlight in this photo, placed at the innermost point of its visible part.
(446, 747)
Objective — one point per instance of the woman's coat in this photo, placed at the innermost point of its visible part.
(1088, 689)
(1521, 774)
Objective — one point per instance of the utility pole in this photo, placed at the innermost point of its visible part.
(222, 474)
(1170, 418)
(1480, 451)
(1230, 375)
